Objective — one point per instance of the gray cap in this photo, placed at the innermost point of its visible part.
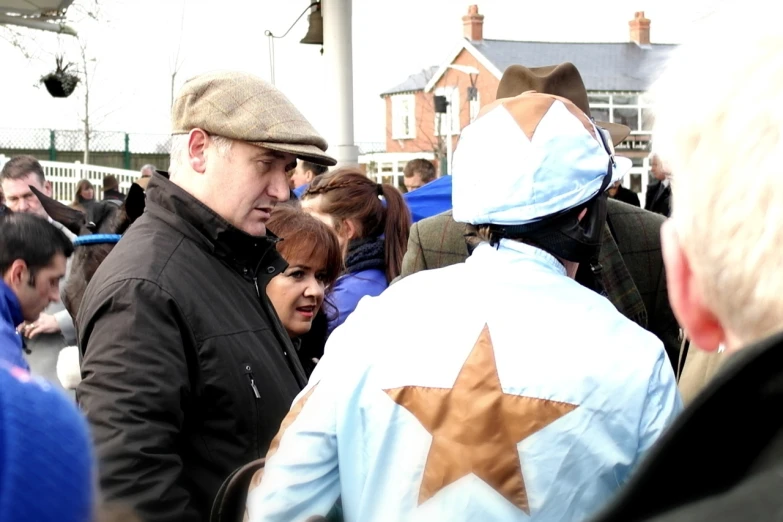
(244, 107)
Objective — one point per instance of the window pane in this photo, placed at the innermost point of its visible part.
(600, 114)
(597, 98)
(624, 99)
(647, 119)
(629, 117)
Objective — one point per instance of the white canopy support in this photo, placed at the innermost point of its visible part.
(44, 15)
(37, 24)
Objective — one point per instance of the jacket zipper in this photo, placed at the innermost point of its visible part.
(251, 379)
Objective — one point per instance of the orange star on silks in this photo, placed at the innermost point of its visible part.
(475, 427)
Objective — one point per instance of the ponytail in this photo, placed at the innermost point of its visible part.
(378, 210)
(395, 231)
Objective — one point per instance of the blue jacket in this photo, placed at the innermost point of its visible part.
(10, 318)
(350, 288)
(429, 200)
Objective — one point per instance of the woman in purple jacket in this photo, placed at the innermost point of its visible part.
(372, 224)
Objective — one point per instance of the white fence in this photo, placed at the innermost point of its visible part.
(65, 176)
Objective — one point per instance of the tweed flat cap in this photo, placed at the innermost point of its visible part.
(244, 107)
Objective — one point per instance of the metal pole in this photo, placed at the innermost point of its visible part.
(449, 143)
(338, 51)
(271, 58)
(52, 146)
(126, 156)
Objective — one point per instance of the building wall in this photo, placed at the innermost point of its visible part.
(425, 126)
(425, 139)
(486, 83)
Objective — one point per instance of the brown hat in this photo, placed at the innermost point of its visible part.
(561, 80)
(243, 107)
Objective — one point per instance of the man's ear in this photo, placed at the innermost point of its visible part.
(198, 141)
(691, 309)
(47, 186)
(15, 274)
(309, 176)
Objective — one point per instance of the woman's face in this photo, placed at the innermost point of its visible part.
(297, 294)
(87, 192)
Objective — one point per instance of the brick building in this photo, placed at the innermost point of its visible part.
(616, 76)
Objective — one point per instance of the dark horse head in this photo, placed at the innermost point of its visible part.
(98, 230)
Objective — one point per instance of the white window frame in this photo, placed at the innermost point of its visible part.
(452, 96)
(475, 106)
(610, 105)
(403, 109)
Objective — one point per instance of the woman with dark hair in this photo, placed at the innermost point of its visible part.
(297, 294)
(372, 224)
(85, 195)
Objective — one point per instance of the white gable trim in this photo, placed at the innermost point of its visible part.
(466, 45)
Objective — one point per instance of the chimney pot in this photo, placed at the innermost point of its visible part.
(473, 24)
(640, 29)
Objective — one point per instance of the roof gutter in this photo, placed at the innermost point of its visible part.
(37, 24)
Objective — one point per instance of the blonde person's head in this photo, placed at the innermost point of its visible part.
(719, 128)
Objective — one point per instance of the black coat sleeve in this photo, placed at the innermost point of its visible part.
(134, 390)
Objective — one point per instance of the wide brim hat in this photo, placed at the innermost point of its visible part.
(243, 107)
(561, 80)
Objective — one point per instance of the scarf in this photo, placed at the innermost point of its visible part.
(365, 254)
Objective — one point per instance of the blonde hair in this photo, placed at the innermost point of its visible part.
(719, 127)
(178, 154)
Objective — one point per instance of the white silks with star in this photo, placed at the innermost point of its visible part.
(510, 393)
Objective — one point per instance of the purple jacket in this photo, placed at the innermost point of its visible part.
(350, 288)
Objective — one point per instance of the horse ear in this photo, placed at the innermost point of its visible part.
(70, 218)
(135, 202)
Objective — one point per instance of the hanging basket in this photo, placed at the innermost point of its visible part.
(60, 83)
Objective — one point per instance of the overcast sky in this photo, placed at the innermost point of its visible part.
(136, 42)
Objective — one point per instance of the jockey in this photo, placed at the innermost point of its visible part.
(512, 392)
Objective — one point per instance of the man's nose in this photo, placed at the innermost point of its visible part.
(278, 187)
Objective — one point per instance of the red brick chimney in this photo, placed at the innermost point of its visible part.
(640, 29)
(473, 24)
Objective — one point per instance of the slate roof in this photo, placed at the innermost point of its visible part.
(622, 66)
(415, 82)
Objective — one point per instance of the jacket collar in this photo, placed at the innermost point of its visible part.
(177, 207)
(11, 303)
(516, 252)
(616, 279)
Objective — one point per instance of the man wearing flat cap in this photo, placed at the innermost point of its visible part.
(516, 394)
(186, 370)
(631, 265)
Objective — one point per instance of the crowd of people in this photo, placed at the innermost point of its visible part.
(259, 334)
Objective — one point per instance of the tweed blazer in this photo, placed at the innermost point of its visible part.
(633, 273)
